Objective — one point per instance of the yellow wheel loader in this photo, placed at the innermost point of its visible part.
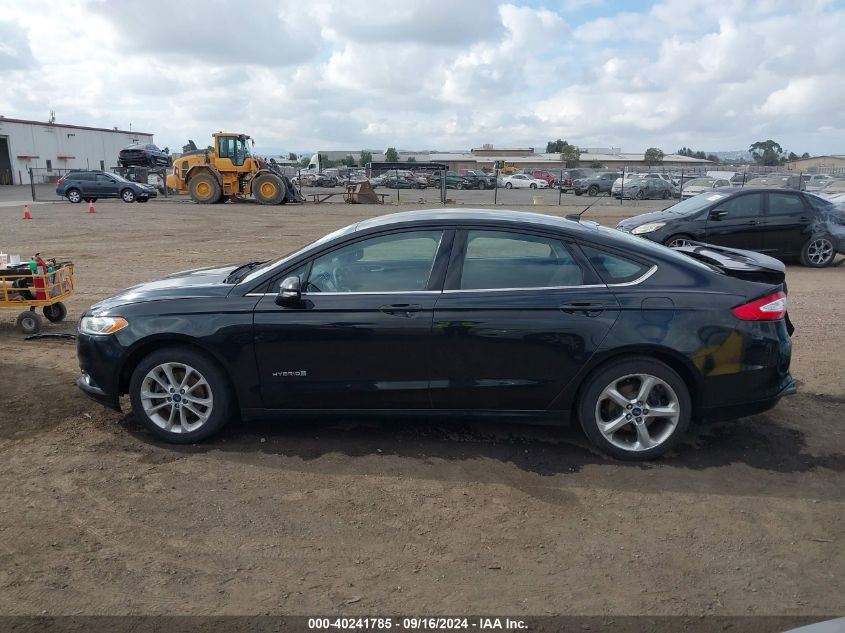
(229, 170)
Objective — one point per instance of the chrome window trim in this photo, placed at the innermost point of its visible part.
(524, 289)
(331, 294)
(636, 281)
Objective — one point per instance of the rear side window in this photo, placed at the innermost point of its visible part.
(613, 268)
(498, 260)
(785, 204)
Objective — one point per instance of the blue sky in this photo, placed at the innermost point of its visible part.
(437, 74)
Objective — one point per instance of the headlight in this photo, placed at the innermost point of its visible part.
(648, 228)
(102, 325)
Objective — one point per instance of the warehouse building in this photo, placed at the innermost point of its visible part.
(829, 164)
(52, 148)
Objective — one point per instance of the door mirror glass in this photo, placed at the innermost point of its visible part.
(718, 214)
(290, 292)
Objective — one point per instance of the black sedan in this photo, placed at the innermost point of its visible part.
(454, 312)
(143, 154)
(785, 224)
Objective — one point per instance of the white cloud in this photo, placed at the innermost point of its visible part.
(434, 73)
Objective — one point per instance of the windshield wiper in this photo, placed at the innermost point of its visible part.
(240, 272)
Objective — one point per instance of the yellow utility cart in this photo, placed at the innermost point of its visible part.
(22, 288)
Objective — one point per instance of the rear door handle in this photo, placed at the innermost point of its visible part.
(753, 222)
(587, 308)
(401, 309)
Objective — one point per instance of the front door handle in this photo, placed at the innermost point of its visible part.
(401, 309)
(753, 222)
(585, 307)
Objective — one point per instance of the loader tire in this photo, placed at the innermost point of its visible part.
(204, 189)
(268, 189)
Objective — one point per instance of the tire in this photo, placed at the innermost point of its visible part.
(161, 413)
(55, 313)
(677, 240)
(268, 189)
(482, 185)
(29, 322)
(508, 185)
(74, 196)
(128, 195)
(593, 191)
(818, 252)
(532, 186)
(579, 193)
(143, 200)
(204, 189)
(640, 195)
(631, 440)
(666, 194)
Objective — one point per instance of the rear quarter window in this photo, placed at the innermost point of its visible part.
(613, 268)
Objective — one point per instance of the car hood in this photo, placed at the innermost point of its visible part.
(201, 282)
(655, 216)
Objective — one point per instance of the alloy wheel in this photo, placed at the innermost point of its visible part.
(176, 397)
(820, 251)
(637, 412)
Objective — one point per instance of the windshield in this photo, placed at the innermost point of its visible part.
(695, 204)
(119, 178)
(256, 272)
(700, 182)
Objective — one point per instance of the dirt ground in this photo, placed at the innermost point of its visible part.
(423, 517)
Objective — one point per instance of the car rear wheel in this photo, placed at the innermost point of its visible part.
(180, 395)
(818, 252)
(593, 191)
(128, 195)
(676, 241)
(636, 409)
(74, 195)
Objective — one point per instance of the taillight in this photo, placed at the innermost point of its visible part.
(60, 181)
(769, 308)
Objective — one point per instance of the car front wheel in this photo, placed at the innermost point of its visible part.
(508, 185)
(818, 252)
(180, 395)
(128, 195)
(636, 409)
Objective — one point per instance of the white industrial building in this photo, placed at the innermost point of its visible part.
(52, 148)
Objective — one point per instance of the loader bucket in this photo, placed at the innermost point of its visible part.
(361, 193)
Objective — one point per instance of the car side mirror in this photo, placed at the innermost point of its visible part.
(290, 292)
(718, 214)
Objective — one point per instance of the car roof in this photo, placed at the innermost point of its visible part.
(475, 216)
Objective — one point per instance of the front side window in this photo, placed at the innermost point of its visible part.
(501, 260)
(747, 206)
(399, 262)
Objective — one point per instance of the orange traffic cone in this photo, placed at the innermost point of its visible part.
(91, 206)
(26, 215)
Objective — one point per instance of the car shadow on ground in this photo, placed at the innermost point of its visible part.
(457, 449)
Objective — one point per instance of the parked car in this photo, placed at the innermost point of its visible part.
(595, 184)
(542, 174)
(400, 182)
(453, 181)
(617, 187)
(478, 179)
(646, 188)
(571, 175)
(817, 182)
(77, 186)
(523, 181)
(784, 181)
(778, 222)
(143, 154)
(460, 312)
(702, 185)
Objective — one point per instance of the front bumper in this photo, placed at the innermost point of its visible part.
(89, 388)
